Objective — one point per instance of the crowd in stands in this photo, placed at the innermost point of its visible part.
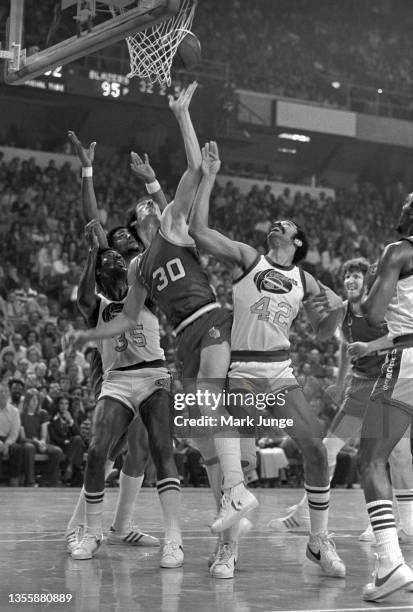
(42, 251)
(293, 48)
(299, 48)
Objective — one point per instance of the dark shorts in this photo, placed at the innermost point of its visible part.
(395, 383)
(214, 327)
(357, 396)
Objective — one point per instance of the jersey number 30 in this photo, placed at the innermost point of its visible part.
(172, 272)
(262, 309)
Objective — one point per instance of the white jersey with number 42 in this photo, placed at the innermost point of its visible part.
(266, 301)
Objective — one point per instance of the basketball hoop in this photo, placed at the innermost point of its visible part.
(152, 50)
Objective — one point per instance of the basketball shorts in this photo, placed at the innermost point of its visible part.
(356, 396)
(261, 377)
(395, 383)
(214, 327)
(132, 387)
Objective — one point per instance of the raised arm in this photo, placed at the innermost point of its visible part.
(206, 238)
(324, 308)
(87, 300)
(189, 182)
(144, 171)
(394, 258)
(89, 204)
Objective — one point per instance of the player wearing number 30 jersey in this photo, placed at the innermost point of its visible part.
(170, 271)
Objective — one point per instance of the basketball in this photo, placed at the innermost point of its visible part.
(188, 54)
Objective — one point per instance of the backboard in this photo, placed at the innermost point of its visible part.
(42, 36)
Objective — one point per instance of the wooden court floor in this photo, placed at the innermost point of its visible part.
(273, 573)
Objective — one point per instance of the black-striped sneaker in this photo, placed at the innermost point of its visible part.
(132, 536)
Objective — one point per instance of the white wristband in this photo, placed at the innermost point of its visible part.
(152, 187)
(87, 172)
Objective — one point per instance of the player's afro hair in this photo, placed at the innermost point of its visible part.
(112, 232)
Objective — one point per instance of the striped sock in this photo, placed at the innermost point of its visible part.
(94, 509)
(404, 499)
(318, 501)
(169, 491)
(384, 526)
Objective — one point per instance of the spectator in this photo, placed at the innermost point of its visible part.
(64, 433)
(9, 433)
(16, 389)
(7, 362)
(35, 423)
(17, 344)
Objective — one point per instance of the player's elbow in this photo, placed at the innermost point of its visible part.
(194, 229)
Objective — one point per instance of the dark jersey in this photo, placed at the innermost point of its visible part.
(173, 276)
(356, 329)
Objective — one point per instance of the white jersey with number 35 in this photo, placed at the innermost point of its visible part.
(132, 347)
(266, 301)
(135, 346)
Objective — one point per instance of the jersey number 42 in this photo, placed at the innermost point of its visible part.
(262, 309)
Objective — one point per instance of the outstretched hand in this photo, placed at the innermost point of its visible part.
(74, 339)
(86, 156)
(142, 168)
(91, 234)
(325, 301)
(181, 104)
(210, 159)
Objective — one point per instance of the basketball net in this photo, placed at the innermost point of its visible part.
(152, 50)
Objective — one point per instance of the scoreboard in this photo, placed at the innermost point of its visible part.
(78, 80)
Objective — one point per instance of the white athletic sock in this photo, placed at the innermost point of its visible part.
(229, 454)
(333, 447)
(94, 509)
(404, 499)
(318, 501)
(384, 526)
(129, 487)
(78, 517)
(169, 491)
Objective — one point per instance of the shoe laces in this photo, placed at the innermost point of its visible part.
(171, 547)
(326, 539)
(88, 538)
(224, 554)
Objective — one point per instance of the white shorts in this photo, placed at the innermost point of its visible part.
(132, 387)
(395, 383)
(262, 377)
